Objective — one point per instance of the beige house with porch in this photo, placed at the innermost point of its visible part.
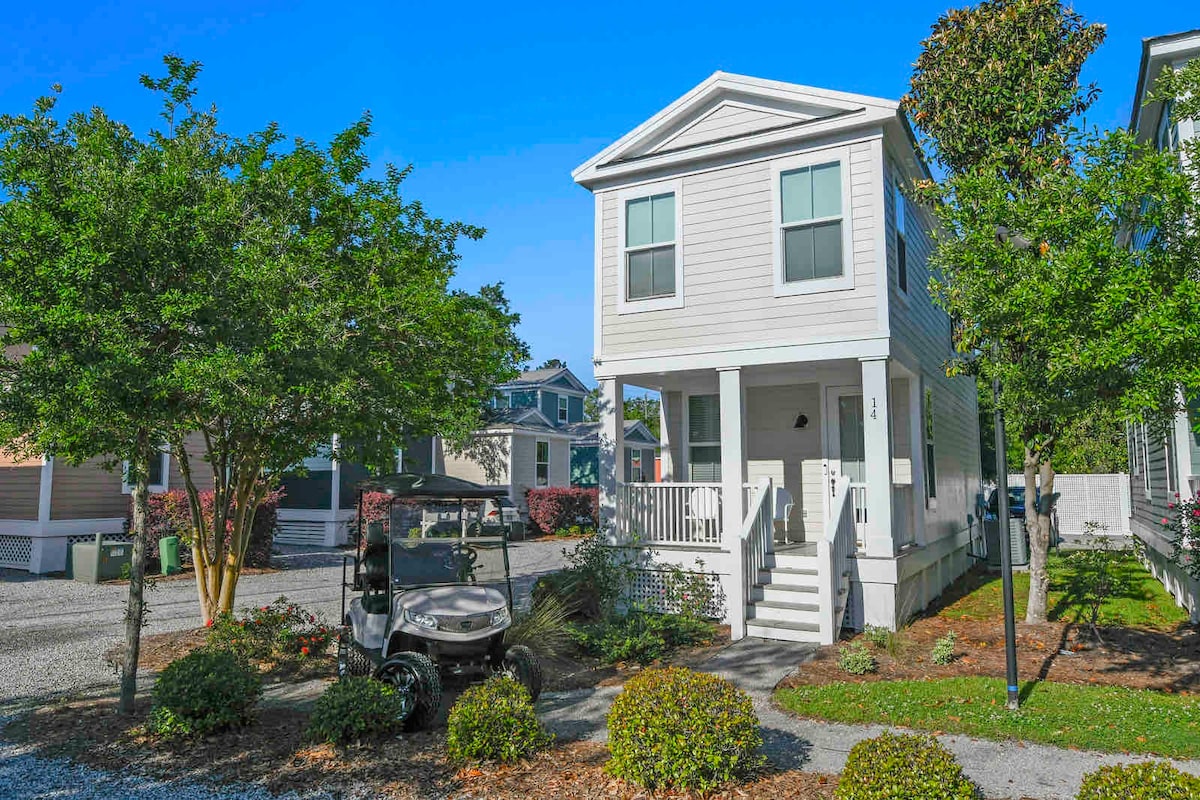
(757, 263)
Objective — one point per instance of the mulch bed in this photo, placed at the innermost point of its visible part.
(1063, 652)
(272, 751)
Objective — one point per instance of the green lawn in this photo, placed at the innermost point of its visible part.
(1106, 718)
(1146, 605)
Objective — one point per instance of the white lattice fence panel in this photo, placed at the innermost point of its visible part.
(1102, 499)
(90, 538)
(649, 589)
(15, 551)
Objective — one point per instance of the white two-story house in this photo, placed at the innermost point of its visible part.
(757, 263)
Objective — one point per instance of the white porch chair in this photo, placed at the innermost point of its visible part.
(784, 503)
(704, 514)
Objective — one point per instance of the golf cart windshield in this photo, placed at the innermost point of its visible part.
(431, 562)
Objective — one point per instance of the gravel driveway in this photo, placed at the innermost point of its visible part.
(53, 632)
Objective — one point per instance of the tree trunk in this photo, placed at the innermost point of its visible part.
(135, 611)
(1037, 523)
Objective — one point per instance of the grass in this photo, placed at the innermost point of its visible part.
(1106, 718)
(1145, 605)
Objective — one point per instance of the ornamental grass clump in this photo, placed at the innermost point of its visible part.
(892, 766)
(675, 728)
(356, 709)
(204, 692)
(1154, 780)
(494, 721)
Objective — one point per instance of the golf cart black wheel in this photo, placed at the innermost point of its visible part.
(352, 661)
(416, 678)
(522, 665)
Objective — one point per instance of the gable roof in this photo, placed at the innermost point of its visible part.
(1157, 52)
(587, 434)
(536, 378)
(730, 112)
(525, 418)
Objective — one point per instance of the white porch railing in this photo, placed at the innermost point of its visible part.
(858, 499)
(758, 534)
(833, 555)
(670, 513)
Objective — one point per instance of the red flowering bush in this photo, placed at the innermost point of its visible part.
(277, 632)
(170, 515)
(552, 510)
(375, 506)
(1183, 532)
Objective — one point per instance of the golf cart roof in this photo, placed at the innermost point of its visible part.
(437, 487)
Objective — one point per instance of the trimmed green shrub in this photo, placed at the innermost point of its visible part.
(682, 729)
(494, 721)
(641, 637)
(893, 766)
(1154, 780)
(856, 659)
(206, 691)
(943, 649)
(356, 708)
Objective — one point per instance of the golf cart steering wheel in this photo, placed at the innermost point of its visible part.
(461, 559)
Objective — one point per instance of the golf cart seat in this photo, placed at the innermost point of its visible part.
(375, 566)
(375, 533)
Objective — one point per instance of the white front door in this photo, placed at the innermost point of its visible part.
(845, 446)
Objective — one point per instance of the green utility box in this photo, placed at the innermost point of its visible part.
(168, 554)
(92, 562)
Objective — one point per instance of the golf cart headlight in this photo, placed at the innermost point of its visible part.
(500, 617)
(424, 620)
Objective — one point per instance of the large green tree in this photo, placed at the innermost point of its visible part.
(1080, 313)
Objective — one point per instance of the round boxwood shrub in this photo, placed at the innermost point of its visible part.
(1154, 780)
(494, 721)
(891, 766)
(675, 728)
(207, 690)
(356, 708)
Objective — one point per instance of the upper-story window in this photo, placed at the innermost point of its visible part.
(542, 463)
(562, 408)
(901, 237)
(651, 248)
(1167, 136)
(812, 224)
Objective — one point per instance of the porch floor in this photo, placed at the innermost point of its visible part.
(797, 548)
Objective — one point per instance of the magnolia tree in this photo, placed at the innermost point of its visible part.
(1092, 308)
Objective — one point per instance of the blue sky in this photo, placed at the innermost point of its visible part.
(495, 103)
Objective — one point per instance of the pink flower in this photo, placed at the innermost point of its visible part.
(304, 650)
(1165, 521)
(1170, 505)
(1177, 494)
(1196, 512)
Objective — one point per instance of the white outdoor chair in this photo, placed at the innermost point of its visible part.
(783, 511)
(704, 514)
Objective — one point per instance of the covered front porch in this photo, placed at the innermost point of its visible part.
(772, 475)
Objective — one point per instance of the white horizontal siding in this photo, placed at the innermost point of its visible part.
(723, 122)
(728, 282)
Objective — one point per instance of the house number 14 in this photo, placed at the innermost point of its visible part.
(873, 414)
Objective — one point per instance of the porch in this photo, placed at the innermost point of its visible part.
(770, 477)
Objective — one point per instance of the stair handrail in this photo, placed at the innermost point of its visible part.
(833, 554)
(757, 537)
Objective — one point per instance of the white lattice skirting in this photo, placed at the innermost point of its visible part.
(15, 551)
(648, 590)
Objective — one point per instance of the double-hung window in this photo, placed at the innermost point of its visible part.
(704, 437)
(812, 243)
(635, 466)
(542, 457)
(651, 248)
(901, 238)
(562, 408)
(930, 453)
(157, 473)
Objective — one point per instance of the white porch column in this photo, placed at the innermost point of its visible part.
(664, 439)
(916, 437)
(45, 493)
(877, 442)
(733, 476)
(335, 494)
(611, 450)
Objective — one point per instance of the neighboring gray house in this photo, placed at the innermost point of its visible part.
(641, 449)
(758, 264)
(555, 391)
(1164, 461)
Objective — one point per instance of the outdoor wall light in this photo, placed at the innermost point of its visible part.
(801, 422)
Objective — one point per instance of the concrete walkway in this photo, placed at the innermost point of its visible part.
(1001, 769)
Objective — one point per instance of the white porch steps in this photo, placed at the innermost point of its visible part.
(783, 602)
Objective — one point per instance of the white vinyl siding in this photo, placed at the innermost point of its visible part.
(724, 122)
(726, 295)
(704, 437)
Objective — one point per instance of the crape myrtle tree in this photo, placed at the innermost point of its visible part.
(332, 316)
(1093, 316)
(101, 233)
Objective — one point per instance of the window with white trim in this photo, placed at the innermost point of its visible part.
(635, 466)
(542, 467)
(157, 480)
(1145, 458)
(650, 247)
(704, 437)
(562, 408)
(1166, 138)
(810, 223)
(901, 237)
(1169, 455)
